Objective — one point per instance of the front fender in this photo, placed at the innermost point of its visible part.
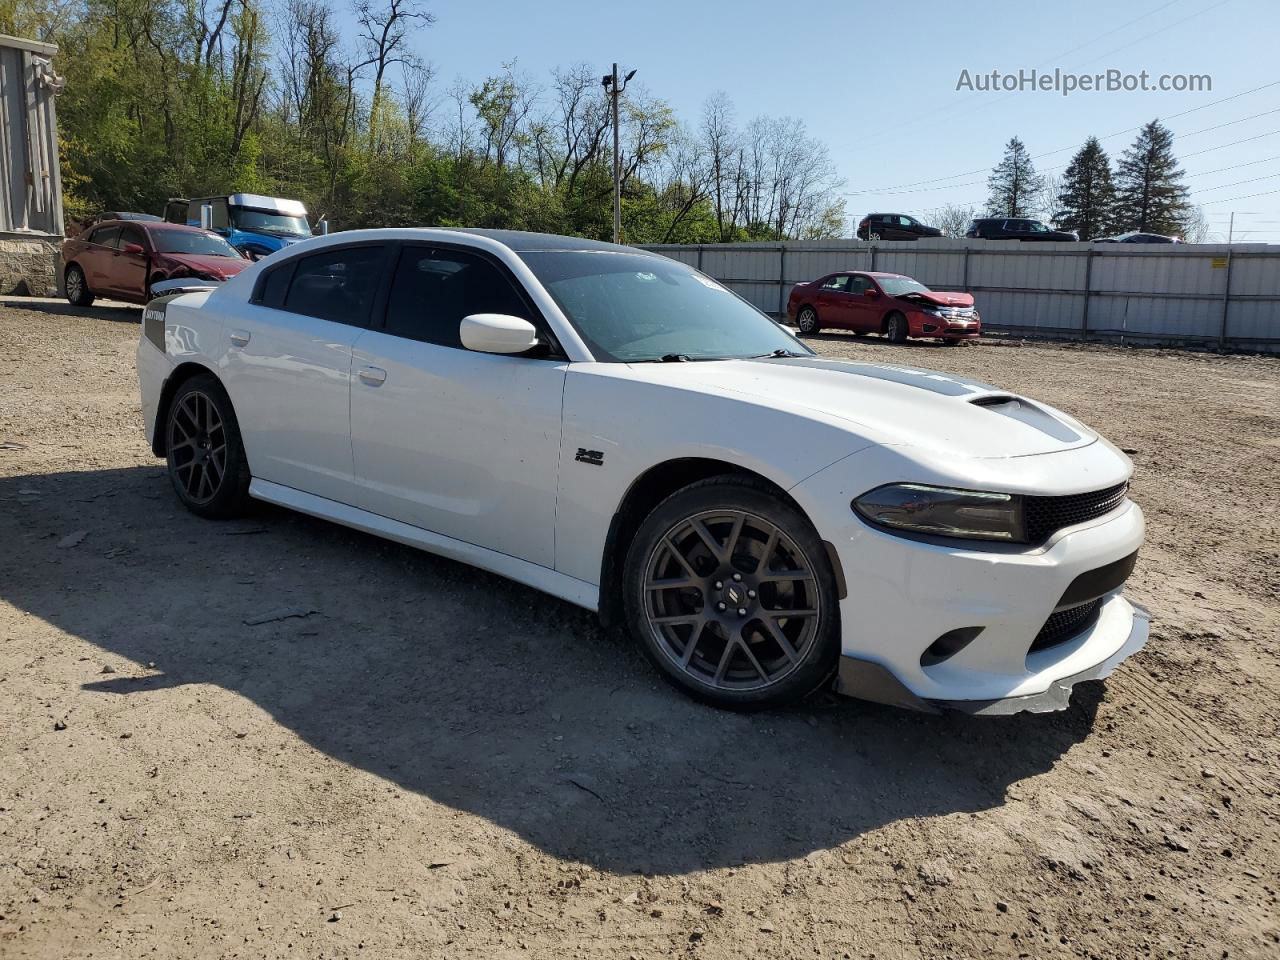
(617, 428)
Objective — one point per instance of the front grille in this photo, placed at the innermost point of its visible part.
(1065, 624)
(1044, 516)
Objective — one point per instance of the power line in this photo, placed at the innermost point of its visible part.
(970, 183)
(1109, 136)
(1223, 186)
(950, 105)
(1247, 196)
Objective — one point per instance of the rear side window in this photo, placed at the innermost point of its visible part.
(337, 285)
(274, 286)
(433, 289)
(105, 236)
(836, 283)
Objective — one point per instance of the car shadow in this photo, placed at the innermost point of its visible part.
(113, 310)
(848, 336)
(479, 693)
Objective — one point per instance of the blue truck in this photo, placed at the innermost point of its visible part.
(253, 224)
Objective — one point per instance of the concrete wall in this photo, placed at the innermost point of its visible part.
(1214, 295)
(30, 182)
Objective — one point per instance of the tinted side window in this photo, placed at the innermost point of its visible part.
(337, 285)
(433, 289)
(859, 284)
(131, 235)
(273, 287)
(106, 236)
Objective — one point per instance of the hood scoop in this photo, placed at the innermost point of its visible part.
(1024, 411)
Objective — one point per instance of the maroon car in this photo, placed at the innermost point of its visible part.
(887, 303)
(121, 259)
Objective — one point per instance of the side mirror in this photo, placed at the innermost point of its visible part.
(872, 292)
(497, 333)
(133, 248)
(322, 228)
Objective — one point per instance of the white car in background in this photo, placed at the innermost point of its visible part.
(621, 431)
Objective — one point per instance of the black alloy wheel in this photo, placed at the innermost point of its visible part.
(207, 464)
(732, 596)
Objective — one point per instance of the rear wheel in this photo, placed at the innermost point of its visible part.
(729, 592)
(78, 293)
(807, 320)
(207, 465)
(895, 328)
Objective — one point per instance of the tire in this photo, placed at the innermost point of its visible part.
(77, 287)
(873, 236)
(207, 464)
(807, 321)
(896, 328)
(741, 657)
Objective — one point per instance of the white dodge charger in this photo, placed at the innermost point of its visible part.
(621, 431)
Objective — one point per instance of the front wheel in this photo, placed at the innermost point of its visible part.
(896, 328)
(78, 292)
(207, 464)
(807, 320)
(729, 592)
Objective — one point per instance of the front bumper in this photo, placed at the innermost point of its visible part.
(930, 623)
(868, 680)
(921, 324)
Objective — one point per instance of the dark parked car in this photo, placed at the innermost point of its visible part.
(1015, 228)
(1138, 238)
(121, 259)
(894, 226)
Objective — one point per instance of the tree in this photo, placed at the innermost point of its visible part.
(953, 219)
(383, 32)
(1014, 184)
(1087, 198)
(1150, 195)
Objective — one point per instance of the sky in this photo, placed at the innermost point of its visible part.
(877, 82)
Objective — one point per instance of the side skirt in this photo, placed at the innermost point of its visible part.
(576, 591)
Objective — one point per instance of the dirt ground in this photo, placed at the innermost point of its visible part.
(279, 738)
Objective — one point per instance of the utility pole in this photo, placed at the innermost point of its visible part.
(1231, 226)
(610, 81)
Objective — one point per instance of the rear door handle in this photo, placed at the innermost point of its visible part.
(239, 338)
(373, 376)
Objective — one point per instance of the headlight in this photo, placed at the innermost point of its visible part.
(943, 512)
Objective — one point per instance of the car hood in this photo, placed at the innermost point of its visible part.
(217, 266)
(895, 405)
(942, 298)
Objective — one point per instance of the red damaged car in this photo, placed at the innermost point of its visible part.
(887, 303)
(122, 259)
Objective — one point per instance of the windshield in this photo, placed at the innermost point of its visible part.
(897, 286)
(200, 244)
(263, 221)
(631, 307)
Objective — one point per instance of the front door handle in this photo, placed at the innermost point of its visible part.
(239, 338)
(373, 376)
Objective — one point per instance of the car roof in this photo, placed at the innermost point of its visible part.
(522, 241)
(148, 225)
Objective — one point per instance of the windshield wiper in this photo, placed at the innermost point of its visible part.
(780, 352)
